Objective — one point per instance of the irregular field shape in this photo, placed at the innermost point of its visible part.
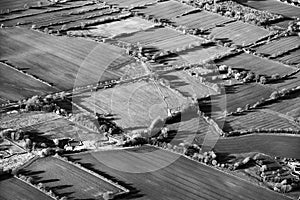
(134, 105)
(6, 145)
(257, 65)
(182, 179)
(16, 85)
(275, 145)
(161, 38)
(280, 45)
(13, 188)
(260, 119)
(130, 3)
(274, 6)
(68, 180)
(201, 20)
(62, 128)
(187, 85)
(292, 57)
(239, 33)
(129, 25)
(166, 10)
(64, 62)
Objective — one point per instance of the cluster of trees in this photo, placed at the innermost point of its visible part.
(262, 130)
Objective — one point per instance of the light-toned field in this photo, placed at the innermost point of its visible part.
(239, 33)
(62, 61)
(288, 83)
(257, 65)
(68, 180)
(274, 6)
(16, 85)
(201, 20)
(280, 45)
(166, 10)
(187, 85)
(7, 148)
(180, 179)
(13, 188)
(129, 25)
(161, 38)
(134, 105)
(62, 128)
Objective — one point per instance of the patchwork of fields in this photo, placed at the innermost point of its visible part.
(119, 65)
(191, 180)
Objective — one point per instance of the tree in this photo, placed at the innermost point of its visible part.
(274, 95)
(263, 80)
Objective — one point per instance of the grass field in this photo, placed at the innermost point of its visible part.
(67, 180)
(201, 20)
(275, 145)
(134, 105)
(129, 25)
(257, 65)
(292, 57)
(62, 128)
(61, 61)
(13, 188)
(186, 84)
(181, 179)
(161, 38)
(274, 6)
(166, 10)
(280, 45)
(239, 33)
(259, 119)
(16, 85)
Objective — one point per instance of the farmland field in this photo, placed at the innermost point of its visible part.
(187, 85)
(259, 119)
(16, 85)
(161, 38)
(289, 106)
(257, 65)
(129, 25)
(236, 96)
(288, 83)
(275, 145)
(201, 20)
(273, 6)
(62, 128)
(181, 179)
(134, 105)
(21, 190)
(21, 120)
(21, 4)
(166, 10)
(7, 148)
(54, 59)
(292, 57)
(239, 33)
(67, 180)
(279, 45)
(129, 3)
